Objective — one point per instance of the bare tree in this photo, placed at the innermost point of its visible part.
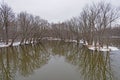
(7, 16)
(105, 19)
(95, 19)
(13, 32)
(24, 25)
(40, 26)
(31, 28)
(75, 28)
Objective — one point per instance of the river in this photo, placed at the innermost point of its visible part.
(58, 60)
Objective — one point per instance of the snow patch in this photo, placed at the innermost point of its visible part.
(104, 48)
(113, 48)
(16, 43)
(4, 45)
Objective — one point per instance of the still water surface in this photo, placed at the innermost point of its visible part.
(58, 60)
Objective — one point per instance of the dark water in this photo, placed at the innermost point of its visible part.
(57, 60)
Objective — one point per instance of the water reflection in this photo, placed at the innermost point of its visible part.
(92, 65)
(24, 60)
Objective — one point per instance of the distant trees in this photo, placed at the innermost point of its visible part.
(75, 28)
(59, 31)
(93, 25)
(115, 31)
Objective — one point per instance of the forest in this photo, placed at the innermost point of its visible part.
(96, 23)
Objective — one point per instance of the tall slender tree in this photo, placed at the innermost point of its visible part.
(7, 16)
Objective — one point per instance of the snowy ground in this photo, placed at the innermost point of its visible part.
(104, 48)
(48, 38)
(14, 44)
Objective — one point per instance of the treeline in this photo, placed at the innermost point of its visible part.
(21, 27)
(92, 25)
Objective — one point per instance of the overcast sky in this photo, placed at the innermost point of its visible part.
(53, 10)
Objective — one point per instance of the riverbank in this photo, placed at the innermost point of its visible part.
(90, 47)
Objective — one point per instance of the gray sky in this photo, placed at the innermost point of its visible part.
(53, 10)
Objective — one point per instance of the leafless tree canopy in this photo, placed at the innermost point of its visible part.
(94, 24)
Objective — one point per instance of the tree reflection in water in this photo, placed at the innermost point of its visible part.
(23, 59)
(26, 59)
(93, 65)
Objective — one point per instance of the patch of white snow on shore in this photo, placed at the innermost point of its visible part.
(16, 43)
(104, 48)
(4, 45)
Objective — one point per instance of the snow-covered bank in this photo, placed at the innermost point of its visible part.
(91, 47)
(14, 44)
(48, 38)
(104, 48)
(66, 40)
